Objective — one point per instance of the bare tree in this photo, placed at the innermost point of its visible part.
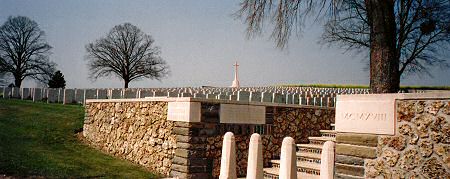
(23, 50)
(401, 35)
(127, 53)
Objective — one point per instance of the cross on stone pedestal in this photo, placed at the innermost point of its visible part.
(235, 83)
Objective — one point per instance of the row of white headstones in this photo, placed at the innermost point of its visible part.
(288, 160)
(288, 95)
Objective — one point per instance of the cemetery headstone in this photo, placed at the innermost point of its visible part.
(266, 97)
(89, 94)
(79, 96)
(277, 98)
(243, 96)
(102, 94)
(129, 93)
(69, 96)
(37, 94)
(52, 95)
(145, 93)
(255, 96)
(15, 93)
(60, 95)
(116, 94)
(26, 93)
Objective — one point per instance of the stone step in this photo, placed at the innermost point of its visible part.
(309, 148)
(342, 176)
(302, 166)
(320, 140)
(328, 133)
(308, 157)
(273, 173)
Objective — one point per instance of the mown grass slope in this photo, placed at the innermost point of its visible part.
(38, 140)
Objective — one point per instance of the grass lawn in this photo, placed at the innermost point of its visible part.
(38, 140)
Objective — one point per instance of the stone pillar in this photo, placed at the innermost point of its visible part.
(327, 161)
(255, 158)
(228, 161)
(288, 159)
(190, 161)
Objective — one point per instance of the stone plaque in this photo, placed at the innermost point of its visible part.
(184, 111)
(371, 114)
(242, 114)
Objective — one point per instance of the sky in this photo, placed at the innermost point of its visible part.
(199, 39)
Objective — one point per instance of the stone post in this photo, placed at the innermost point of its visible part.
(327, 161)
(228, 161)
(255, 158)
(288, 159)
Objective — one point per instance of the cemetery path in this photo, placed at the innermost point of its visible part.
(39, 140)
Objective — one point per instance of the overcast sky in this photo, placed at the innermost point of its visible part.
(199, 39)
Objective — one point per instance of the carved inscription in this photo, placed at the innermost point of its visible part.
(365, 116)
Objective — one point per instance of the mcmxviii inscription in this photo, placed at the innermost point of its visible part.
(365, 116)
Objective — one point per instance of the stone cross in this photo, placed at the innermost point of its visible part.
(235, 83)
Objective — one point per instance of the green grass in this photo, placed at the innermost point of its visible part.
(38, 139)
(363, 86)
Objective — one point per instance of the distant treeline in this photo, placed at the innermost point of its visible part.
(363, 86)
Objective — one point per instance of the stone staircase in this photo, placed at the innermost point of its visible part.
(308, 157)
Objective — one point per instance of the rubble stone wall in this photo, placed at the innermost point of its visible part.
(421, 147)
(135, 131)
(299, 123)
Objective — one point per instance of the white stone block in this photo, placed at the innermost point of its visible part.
(242, 114)
(184, 111)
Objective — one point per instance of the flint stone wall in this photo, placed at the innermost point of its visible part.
(420, 147)
(136, 131)
(298, 123)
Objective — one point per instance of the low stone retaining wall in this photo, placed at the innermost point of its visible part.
(187, 143)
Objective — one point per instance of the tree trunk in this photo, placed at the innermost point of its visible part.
(17, 81)
(126, 83)
(384, 67)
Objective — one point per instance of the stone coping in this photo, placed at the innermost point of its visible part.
(434, 95)
(203, 100)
